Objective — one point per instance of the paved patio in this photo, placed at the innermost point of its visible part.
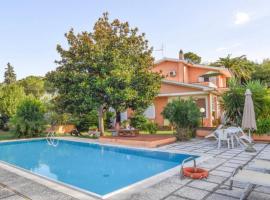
(221, 166)
(222, 163)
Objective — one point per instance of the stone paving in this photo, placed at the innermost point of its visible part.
(215, 187)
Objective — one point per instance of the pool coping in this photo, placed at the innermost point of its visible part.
(83, 194)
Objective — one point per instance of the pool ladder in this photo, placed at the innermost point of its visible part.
(182, 165)
(51, 140)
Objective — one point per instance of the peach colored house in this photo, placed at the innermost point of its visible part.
(184, 79)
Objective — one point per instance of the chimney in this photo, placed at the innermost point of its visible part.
(181, 55)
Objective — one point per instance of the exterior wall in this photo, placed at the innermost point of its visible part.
(222, 81)
(195, 73)
(170, 88)
(160, 103)
(166, 67)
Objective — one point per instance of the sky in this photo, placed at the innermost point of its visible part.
(31, 29)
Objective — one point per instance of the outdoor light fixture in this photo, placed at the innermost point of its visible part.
(202, 110)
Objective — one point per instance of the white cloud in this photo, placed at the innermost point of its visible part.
(241, 18)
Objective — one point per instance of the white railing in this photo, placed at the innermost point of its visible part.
(51, 139)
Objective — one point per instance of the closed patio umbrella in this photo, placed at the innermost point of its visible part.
(249, 119)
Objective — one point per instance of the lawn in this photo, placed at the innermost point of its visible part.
(6, 135)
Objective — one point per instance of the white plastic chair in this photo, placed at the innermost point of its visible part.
(242, 138)
(223, 136)
(214, 133)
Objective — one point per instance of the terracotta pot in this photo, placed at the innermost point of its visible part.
(202, 132)
(263, 138)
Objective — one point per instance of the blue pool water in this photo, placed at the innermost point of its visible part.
(96, 168)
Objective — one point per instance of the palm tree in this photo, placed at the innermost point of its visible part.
(240, 66)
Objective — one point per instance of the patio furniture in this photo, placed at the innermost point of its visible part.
(251, 177)
(94, 133)
(213, 134)
(223, 135)
(239, 135)
(128, 132)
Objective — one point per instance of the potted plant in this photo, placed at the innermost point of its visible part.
(263, 130)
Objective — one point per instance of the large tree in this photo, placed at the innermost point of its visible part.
(10, 97)
(192, 57)
(9, 76)
(33, 85)
(262, 72)
(241, 67)
(107, 68)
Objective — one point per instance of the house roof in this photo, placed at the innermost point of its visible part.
(190, 85)
(221, 69)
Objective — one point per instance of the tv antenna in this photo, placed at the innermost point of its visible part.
(162, 50)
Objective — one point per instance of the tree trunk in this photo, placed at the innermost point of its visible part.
(101, 121)
(182, 134)
(117, 121)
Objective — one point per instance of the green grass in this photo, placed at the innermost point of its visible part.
(6, 135)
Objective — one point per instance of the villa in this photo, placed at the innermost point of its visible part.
(184, 79)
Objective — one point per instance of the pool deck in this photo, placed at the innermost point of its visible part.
(222, 163)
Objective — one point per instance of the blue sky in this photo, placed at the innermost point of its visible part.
(31, 29)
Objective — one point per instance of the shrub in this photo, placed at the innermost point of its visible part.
(138, 121)
(108, 119)
(84, 121)
(29, 119)
(151, 127)
(234, 99)
(184, 115)
(263, 126)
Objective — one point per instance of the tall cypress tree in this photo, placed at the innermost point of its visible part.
(10, 76)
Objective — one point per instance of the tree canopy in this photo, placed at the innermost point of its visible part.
(109, 67)
(9, 76)
(262, 72)
(233, 100)
(10, 97)
(192, 57)
(241, 67)
(33, 85)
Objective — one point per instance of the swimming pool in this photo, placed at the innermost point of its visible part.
(98, 169)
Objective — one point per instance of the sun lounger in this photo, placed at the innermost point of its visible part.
(261, 164)
(252, 178)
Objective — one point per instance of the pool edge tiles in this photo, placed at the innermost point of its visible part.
(144, 182)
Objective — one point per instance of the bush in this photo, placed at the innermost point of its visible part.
(138, 121)
(29, 119)
(108, 119)
(151, 127)
(84, 122)
(263, 126)
(184, 115)
(4, 122)
(234, 99)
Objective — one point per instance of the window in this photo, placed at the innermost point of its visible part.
(201, 103)
(150, 112)
(206, 79)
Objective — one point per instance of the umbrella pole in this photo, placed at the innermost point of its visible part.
(250, 147)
